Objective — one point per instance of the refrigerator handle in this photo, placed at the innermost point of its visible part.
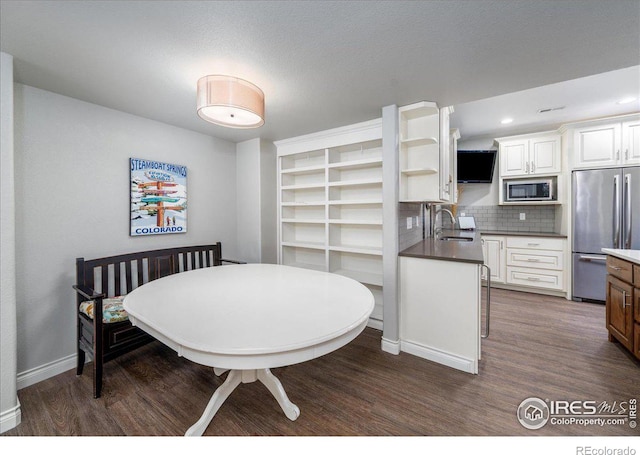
(592, 257)
(627, 211)
(616, 213)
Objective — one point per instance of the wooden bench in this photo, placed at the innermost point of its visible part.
(108, 277)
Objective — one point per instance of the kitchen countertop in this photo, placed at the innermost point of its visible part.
(430, 248)
(523, 234)
(629, 255)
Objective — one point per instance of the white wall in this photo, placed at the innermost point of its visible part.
(479, 193)
(9, 408)
(72, 200)
(248, 213)
(269, 202)
(256, 192)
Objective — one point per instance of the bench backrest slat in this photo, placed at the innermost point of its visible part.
(121, 274)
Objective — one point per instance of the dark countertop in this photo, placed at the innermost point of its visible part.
(523, 234)
(457, 251)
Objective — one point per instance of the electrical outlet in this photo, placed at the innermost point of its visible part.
(523, 216)
(409, 222)
(463, 214)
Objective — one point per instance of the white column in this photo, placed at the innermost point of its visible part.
(391, 312)
(10, 415)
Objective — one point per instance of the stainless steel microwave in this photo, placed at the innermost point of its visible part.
(530, 190)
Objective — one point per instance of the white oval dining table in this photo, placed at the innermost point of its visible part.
(248, 318)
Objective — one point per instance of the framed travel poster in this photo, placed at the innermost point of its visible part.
(158, 198)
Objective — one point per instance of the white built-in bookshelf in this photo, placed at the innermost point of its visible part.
(330, 204)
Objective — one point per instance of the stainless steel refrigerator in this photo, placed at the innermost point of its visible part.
(606, 214)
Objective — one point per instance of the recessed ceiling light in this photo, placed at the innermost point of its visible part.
(629, 99)
(506, 121)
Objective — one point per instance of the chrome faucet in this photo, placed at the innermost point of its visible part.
(434, 216)
(453, 218)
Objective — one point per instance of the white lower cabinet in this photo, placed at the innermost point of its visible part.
(441, 318)
(530, 277)
(494, 255)
(535, 263)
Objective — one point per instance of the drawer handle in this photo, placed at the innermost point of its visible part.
(624, 299)
(530, 278)
(533, 244)
(617, 269)
(533, 260)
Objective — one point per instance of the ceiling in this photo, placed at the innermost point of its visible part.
(577, 99)
(325, 64)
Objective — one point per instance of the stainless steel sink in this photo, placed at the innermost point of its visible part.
(453, 238)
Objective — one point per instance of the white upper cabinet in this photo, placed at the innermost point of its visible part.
(426, 172)
(529, 155)
(607, 145)
(597, 146)
(453, 157)
(544, 153)
(446, 168)
(631, 142)
(514, 157)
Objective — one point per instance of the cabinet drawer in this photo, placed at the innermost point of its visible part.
(539, 259)
(620, 268)
(535, 243)
(636, 275)
(545, 279)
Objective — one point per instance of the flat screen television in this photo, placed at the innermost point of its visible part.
(476, 166)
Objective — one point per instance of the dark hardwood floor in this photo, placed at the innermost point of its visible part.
(539, 346)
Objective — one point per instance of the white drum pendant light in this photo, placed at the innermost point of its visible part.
(229, 101)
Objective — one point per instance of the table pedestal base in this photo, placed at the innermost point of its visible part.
(234, 379)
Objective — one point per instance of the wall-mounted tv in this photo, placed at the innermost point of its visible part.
(476, 166)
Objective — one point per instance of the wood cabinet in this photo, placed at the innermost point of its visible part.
(619, 310)
(636, 296)
(330, 204)
(636, 310)
(529, 155)
(526, 263)
(606, 145)
(623, 301)
(426, 171)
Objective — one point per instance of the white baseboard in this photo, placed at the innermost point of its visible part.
(375, 324)
(46, 371)
(10, 418)
(392, 347)
(444, 358)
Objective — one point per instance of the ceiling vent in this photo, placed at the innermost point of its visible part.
(550, 109)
